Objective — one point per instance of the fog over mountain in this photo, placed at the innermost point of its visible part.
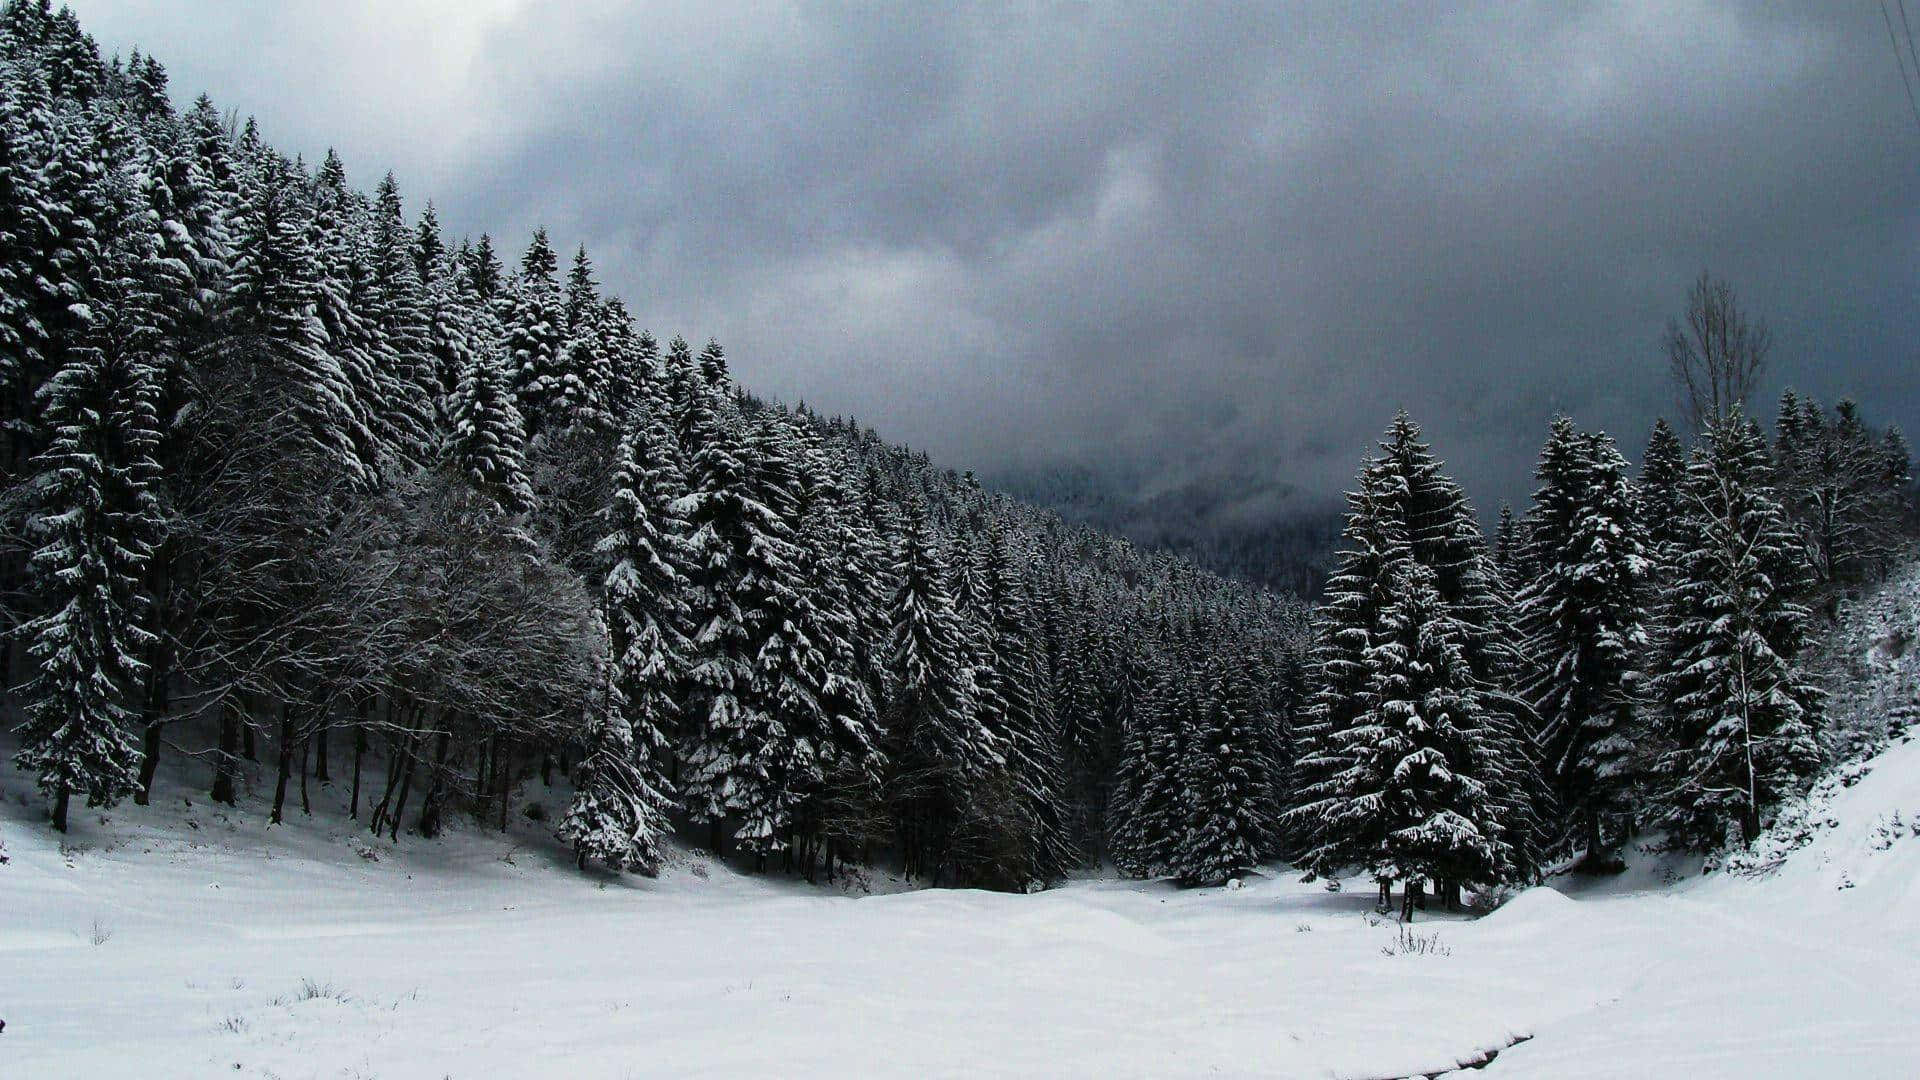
(1192, 246)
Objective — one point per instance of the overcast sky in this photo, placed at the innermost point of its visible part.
(1182, 238)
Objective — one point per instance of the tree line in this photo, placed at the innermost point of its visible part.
(1625, 656)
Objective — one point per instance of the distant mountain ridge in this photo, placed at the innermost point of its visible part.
(1239, 525)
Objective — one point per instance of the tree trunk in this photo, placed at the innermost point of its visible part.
(406, 786)
(320, 772)
(285, 762)
(503, 772)
(436, 791)
(225, 767)
(247, 749)
(60, 811)
(306, 751)
(159, 670)
(359, 749)
(149, 762)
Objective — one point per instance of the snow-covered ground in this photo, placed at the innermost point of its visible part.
(155, 948)
(185, 940)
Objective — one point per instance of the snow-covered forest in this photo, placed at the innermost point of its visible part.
(313, 515)
(294, 477)
(291, 473)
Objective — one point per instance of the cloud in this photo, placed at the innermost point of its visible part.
(1193, 240)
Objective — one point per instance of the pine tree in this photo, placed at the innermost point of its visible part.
(625, 795)
(745, 757)
(269, 322)
(1225, 777)
(1663, 471)
(1739, 731)
(1410, 800)
(536, 334)
(98, 526)
(486, 438)
(1510, 550)
(939, 749)
(1582, 622)
(397, 308)
(618, 813)
(1147, 811)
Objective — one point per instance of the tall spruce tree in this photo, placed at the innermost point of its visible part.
(1740, 726)
(1225, 776)
(620, 815)
(1583, 625)
(97, 526)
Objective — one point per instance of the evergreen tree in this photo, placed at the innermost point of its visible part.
(536, 334)
(1409, 801)
(1582, 621)
(1739, 730)
(486, 438)
(1225, 780)
(97, 528)
(1663, 471)
(939, 749)
(625, 797)
(1146, 814)
(618, 814)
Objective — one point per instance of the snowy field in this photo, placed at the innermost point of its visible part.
(173, 942)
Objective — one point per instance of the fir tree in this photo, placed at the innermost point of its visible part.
(1740, 727)
(486, 438)
(98, 526)
(1583, 625)
(536, 334)
(624, 800)
(1409, 801)
(1225, 777)
(1663, 471)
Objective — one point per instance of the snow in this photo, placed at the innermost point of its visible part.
(152, 947)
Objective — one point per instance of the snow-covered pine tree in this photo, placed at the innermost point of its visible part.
(713, 363)
(341, 238)
(397, 307)
(1837, 489)
(98, 523)
(1583, 624)
(625, 791)
(268, 323)
(1021, 717)
(618, 813)
(582, 374)
(1739, 732)
(484, 271)
(486, 437)
(1375, 545)
(1146, 813)
(1410, 802)
(1663, 470)
(1510, 551)
(755, 744)
(1225, 776)
(939, 750)
(536, 333)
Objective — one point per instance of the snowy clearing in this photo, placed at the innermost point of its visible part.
(159, 948)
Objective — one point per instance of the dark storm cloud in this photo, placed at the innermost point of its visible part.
(1223, 240)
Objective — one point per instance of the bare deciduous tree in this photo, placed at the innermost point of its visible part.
(1717, 355)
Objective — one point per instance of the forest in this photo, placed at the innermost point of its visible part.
(292, 476)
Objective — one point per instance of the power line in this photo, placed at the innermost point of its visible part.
(1901, 61)
(1912, 54)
